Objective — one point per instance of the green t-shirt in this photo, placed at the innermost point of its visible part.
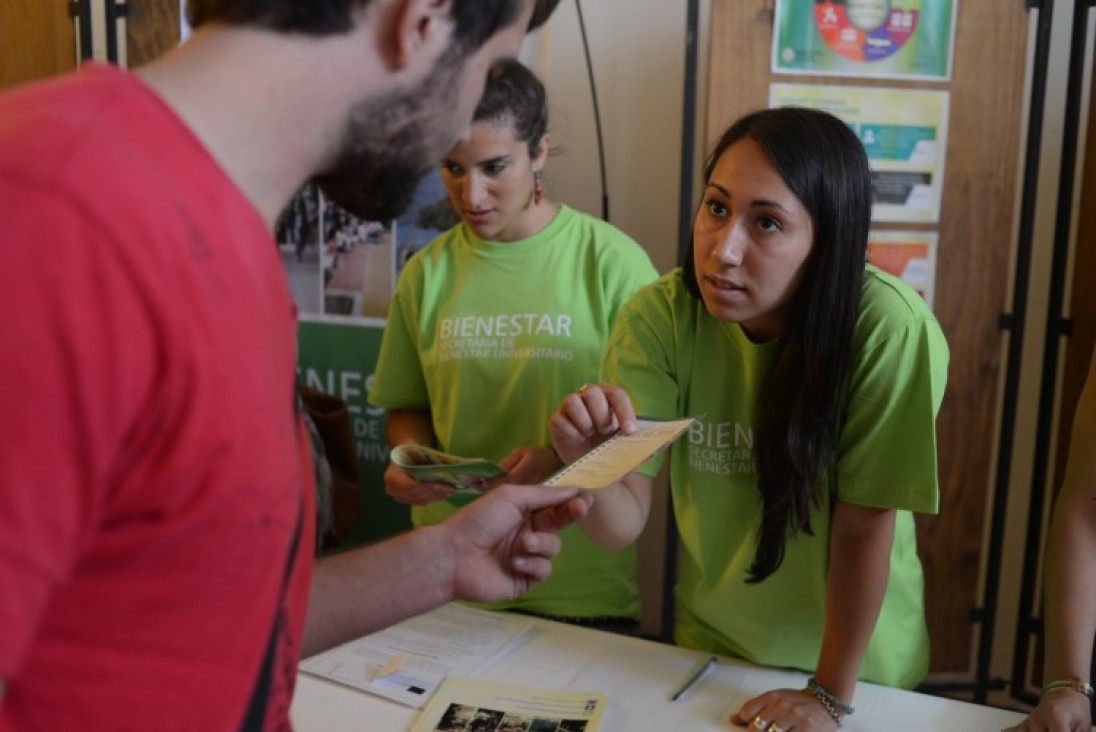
(675, 360)
(490, 337)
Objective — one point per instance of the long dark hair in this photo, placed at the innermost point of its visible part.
(824, 165)
(476, 20)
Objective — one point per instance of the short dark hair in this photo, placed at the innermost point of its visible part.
(476, 20)
(823, 163)
(514, 95)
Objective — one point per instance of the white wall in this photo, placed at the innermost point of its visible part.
(638, 55)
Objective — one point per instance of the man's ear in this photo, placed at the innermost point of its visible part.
(421, 26)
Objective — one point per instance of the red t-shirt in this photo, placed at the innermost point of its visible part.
(153, 471)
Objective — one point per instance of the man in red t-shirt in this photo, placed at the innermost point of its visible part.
(156, 507)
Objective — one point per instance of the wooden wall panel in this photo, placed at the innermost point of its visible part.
(973, 265)
(37, 39)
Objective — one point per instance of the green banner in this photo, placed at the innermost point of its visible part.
(338, 358)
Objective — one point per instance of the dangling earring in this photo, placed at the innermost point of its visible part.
(538, 187)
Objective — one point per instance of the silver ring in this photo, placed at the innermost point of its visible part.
(774, 727)
(759, 723)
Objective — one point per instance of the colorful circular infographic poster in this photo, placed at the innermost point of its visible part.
(865, 30)
(909, 39)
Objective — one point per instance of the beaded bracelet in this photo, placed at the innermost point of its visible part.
(1073, 683)
(836, 708)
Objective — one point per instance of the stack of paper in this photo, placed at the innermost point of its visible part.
(407, 662)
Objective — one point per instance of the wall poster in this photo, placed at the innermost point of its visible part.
(909, 255)
(342, 272)
(892, 39)
(904, 132)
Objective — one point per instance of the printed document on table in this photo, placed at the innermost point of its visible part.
(470, 704)
(407, 661)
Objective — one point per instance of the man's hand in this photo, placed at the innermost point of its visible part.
(503, 543)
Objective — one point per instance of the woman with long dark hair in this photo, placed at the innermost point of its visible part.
(815, 380)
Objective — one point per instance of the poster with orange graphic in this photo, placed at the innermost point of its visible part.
(909, 255)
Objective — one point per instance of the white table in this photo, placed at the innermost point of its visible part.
(637, 677)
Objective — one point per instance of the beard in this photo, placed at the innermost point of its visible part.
(390, 143)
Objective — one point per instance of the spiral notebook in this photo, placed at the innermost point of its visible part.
(620, 454)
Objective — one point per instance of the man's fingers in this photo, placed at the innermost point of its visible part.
(556, 518)
(535, 497)
(538, 544)
(535, 569)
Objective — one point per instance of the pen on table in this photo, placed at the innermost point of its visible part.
(694, 679)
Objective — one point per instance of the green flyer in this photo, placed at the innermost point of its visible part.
(892, 39)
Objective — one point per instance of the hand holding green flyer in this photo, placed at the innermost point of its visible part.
(427, 464)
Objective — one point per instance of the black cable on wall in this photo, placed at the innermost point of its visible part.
(597, 113)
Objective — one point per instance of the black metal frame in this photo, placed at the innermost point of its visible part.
(1057, 328)
(81, 10)
(1013, 322)
(115, 11)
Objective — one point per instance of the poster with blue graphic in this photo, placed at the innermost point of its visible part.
(904, 133)
(891, 39)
